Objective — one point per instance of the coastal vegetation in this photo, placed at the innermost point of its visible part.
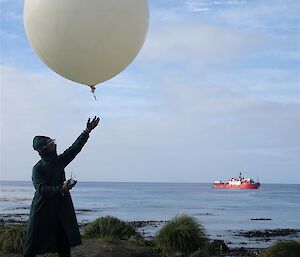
(12, 237)
(182, 236)
(289, 248)
(201, 253)
(110, 228)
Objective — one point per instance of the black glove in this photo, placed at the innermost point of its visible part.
(92, 124)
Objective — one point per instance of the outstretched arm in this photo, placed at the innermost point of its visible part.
(68, 155)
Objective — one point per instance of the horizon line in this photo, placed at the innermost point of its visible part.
(152, 182)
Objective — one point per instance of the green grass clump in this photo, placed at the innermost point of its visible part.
(290, 248)
(12, 238)
(110, 228)
(182, 236)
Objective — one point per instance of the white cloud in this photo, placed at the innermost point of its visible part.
(281, 16)
(12, 10)
(209, 93)
(14, 16)
(195, 127)
(199, 45)
(235, 2)
(9, 35)
(197, 6)
(248, 122)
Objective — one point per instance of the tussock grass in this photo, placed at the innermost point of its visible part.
(181, 236)
(201, 253)
(290, 248)
(12, 238)
(110, 228)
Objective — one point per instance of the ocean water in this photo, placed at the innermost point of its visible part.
(221, 211)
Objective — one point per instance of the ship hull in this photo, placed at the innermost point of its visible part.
(242, 186)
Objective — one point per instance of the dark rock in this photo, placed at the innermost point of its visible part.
(142, 223)
(85, 210)
(268, 233)
(261, 219)
(244, 252)
(218, 246)
(205, 214)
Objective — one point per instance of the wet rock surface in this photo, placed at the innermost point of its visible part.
(145, 223)
(10, 219)
(269, 233)
(218, 247)
(261, 219)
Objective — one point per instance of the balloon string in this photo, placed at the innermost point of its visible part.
(93, 88)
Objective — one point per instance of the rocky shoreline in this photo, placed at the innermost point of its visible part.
(253, 235)
(223, 247)
(269, 233)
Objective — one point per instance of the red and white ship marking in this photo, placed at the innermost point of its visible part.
(237, 183)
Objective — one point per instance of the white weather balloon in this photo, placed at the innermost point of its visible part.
(87, 41)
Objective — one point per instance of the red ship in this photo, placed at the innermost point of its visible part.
(237, 183)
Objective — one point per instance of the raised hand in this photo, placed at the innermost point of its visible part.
(92, 124)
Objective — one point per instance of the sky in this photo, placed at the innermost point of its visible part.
(214, 91)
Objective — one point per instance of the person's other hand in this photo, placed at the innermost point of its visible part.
(68, 184)
(92, 124)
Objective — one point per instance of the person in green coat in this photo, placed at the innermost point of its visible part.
(52, 224)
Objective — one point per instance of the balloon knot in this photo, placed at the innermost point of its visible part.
(93, 88)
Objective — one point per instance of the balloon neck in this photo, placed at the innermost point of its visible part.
(93, 88)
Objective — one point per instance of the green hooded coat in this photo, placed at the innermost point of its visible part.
(52, 209)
